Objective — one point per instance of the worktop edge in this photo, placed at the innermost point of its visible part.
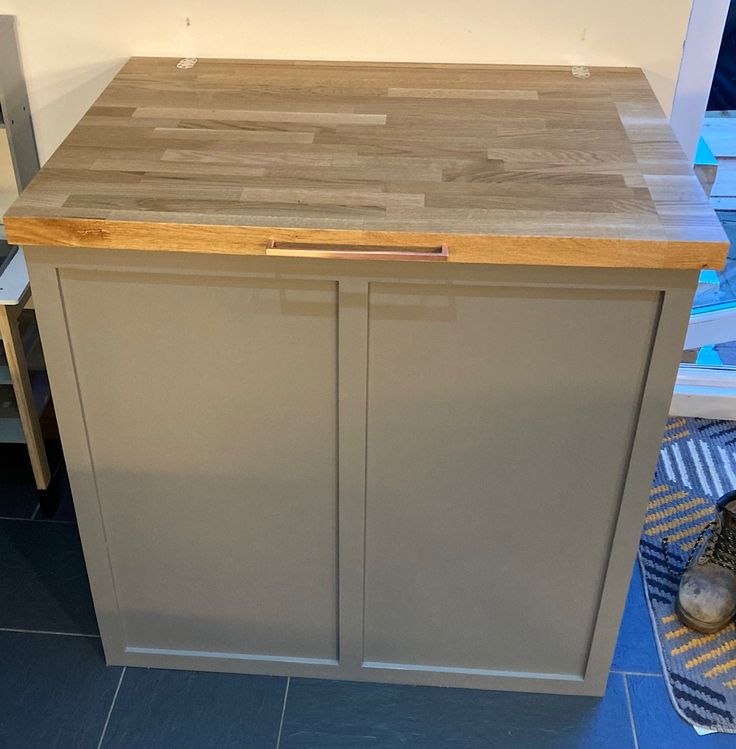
(489, 249)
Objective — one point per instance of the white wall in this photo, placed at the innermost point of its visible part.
(71, 48)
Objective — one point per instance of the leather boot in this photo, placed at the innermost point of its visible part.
(706, 600)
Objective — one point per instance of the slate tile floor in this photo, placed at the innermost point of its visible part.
(57, 693)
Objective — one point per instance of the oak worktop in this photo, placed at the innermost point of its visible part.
(512, 165)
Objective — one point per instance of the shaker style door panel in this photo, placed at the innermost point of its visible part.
(211, 407)
(499, 427)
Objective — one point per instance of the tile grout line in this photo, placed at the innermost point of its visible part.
(283, 712)
(39, 520)
(630, 709)
(112, 705)
(46, 632)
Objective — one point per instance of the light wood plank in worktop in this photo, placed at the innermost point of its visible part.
(504, 164)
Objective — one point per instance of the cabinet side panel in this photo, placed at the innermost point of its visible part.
(500, 423)
(211, 410)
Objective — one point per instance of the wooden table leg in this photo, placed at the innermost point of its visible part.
(10, 334)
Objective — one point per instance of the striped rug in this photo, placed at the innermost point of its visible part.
(697, 464)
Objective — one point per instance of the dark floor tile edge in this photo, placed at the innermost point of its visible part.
(112, 707)
(630, 711)
(34, 519)
(283, 712)
(47, 632)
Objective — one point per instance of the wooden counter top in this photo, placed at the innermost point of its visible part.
(520, 165)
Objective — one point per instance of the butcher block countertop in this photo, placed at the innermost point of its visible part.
(498, 164)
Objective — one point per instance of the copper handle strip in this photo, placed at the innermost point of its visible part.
(357, 252)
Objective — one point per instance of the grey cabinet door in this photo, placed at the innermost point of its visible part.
(499, 425)
(211, 407)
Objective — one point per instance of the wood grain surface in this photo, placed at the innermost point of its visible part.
(521, 165)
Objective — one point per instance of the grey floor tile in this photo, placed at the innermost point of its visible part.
(17, 501)
(55, 691)
(18, 495)
(636, 649)
(658, 726)
(159, 709)
(65, 507)
(18, 498)
(43, 580)
(350, 715)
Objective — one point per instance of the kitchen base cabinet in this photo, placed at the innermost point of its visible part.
(362, 369)
(406, 472)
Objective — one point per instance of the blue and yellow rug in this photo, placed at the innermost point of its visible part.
(697, 464)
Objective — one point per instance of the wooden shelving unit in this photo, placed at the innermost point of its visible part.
(24, 386)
